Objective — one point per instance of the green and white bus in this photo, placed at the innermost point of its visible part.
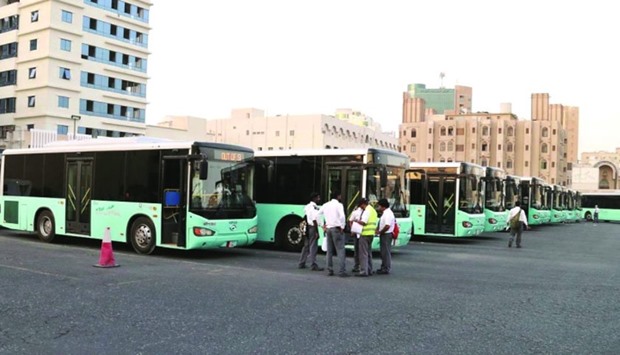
(149, 192)
(447, 199)
(570, 202)
(608, 205)
(495, 213)
(284, 180)
(558, 207)
(533, 192)
(512, 186)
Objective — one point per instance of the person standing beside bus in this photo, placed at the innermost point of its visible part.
(312, 233)
(595, 214)
(334, 220)
(355, 215)
(517, 214)
(368, 221)
(385, 233)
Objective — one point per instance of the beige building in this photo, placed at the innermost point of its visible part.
(537, 147)
(251, 128)
(597, 171)
(72, 66)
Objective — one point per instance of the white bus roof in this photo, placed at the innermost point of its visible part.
(104, 144)
(441, 165)
(323, 152)
(610, 193)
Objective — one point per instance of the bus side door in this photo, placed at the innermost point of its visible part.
(78, 195)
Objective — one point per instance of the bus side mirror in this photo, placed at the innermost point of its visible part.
(383, 176)
(204, 170)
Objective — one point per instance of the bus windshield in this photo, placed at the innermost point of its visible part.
(537, 196)
(225, 193)
(393, 191)
(493, 195)
(512, 193)
(471, 194)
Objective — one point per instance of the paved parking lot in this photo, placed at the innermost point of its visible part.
(556, 295)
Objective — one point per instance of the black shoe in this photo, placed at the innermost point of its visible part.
(330, 273)
(355, 269)
(343, 274)
(382, 272)
(518, 246)
(361, 275)
(509, 245)
(301, 266)
(316, 268)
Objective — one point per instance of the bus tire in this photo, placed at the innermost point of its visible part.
(289, 235)
(142, 236)
(588, 216)
(46, 226)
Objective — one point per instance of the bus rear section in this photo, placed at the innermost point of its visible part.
(137, 188)
(447, 199)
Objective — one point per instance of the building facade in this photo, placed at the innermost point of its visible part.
(72, 67)
(251, 128)
(597, 171)
(536, 147)
(420, 100)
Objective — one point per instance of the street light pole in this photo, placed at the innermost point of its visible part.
(75, 118)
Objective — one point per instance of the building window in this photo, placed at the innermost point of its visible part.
(553, 147)
(247, 132)
(499, 164)
(499, 130)
(292, 133)
(485, 131)
(473, 146)
(65, 45)
(413, 133)
(450, 131)
(543, 148)
(527, 131)
(62, 129)
(442, 131)
(484, 162)
(509, 164)
(450, 146)
(65, 73)
(510, 132)
(545, 132)
(430, 131)
(509, 147)
(543, 164)
(527, 147)
(430, 146)
(33, 44)
(527, 163)
(34, 16)
(484, 147)
(32, 73)
(277, 133)
(553, 132)
(460, 131)
(499, 147)
(63, 101)
(413, 148)
(553, 164)
(67, 16)
(460, 147)
(31, 101)
(442, 146)
(473, 130)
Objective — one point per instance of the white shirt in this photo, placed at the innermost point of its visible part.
(356, 214)
(514, 211)
(333, 212)
(312, 212)
(387, 218)
(596, 210)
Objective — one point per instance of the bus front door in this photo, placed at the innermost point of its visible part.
(441, 205)
(78, 195)
(348, 181)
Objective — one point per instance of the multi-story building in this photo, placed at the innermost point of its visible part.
(422, 100)
(597, 171)
(537, 147)
(251, 128)
(72, 66)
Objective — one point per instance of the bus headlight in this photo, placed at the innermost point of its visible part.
(203, 232)
(535, 216)
(492, 220)
(467, 224)
(253, 230)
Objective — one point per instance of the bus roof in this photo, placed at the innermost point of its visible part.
(325, 152)
(117, 144)
(609, 193)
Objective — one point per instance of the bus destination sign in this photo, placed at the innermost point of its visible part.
(228, 155)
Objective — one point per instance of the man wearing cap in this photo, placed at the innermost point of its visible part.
(368, 219)
(312, 233)
(334, 220)
(384, 231)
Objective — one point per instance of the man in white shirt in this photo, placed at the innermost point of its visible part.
(385, 230)
(355, 215)
(312, 233)
(517, 228)
(334, 220)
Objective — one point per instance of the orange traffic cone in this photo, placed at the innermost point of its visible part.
(106, 258)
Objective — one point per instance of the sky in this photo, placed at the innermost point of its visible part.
(311, 57)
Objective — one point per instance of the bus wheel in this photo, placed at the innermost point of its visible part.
(142, 236)
(588, 216)
(290, 235)
(46, 227)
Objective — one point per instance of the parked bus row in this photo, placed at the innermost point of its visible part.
(197, 195)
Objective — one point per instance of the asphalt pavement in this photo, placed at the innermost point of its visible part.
(556, 295)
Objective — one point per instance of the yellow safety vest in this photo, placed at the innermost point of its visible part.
(370, 227)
